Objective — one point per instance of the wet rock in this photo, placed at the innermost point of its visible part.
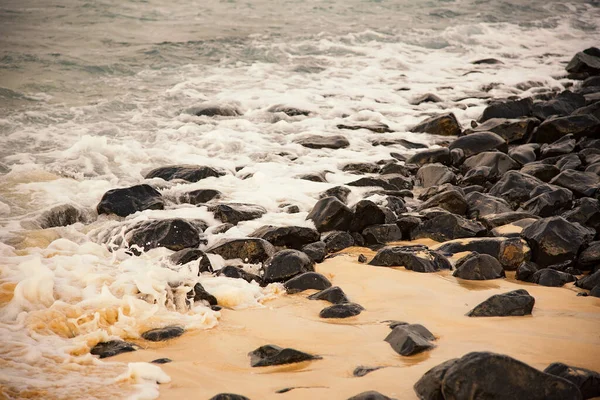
(200, 196)
(444, 125)
(338, 240)
(221, 228)
(62, 215)
(457, 157)
(381, 234)
(525, 271)
(161, 361)
(429, 387)
(590, 281)
(366, 213)
(174, 234)
(407, 341)
(339, 192)
(589, 257)
(480, 204)
(515, 303)
(582, 184)
(554, 240)
(515, 187)
(387, 182)
(425, 98)
(235, 272)
(543, 172)
(525, 153)
(377, 127)
(361, 168)
(334, 295)
(549, 203)
(394, 168)
(492, 221)
(229, 396)
(250, 250)
(511, 130)
(160, 334)
(434, 175)
(586, 380)
(341, 310)
(370, 395)
(215, 110)
(324, 142)
(288, 110)
(198, 293)
(234, 213)
(270, 354)
(498, 162)
(478, 267)
(293, 237)
(286, 264)
(510, 252)
(314, 177)
(512, 380)
(586, 61)
(508, 110)
(592, 110)
(447, 227)
(185, 256)
(554, 128)
(330, 214)
(416, 258)
(190, 173)
(595, 292)
(562, 146)
(586, 211)
(402, 142)
(563, 104)
(315, 251)
(126, 201)
(451, 200)
(551, 277)
(362, 258)
(361, 371)
(429, 156)
(407, 225)
(307, 280)
(435, 190)
(112, 348)
(479, 142)
(394, 204)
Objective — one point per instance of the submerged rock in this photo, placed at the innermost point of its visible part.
(333, 295)
(62, 215)
(416, 258)
(190, 173)
(382, 234)
(447, 227)
(444, 125)
(330, 214)
(307, 280)
(112, 348)
(551, 277)
(160, 334)
(515, 303)
(324, 142)
(200, 196)
(510, 252)
(126, 201)
(174, 234)
(185, 256)
(366, 213)
(288, 236)
(250, 250)
(341, 310)
(215, 110)
(274, 355)
(235, 272)
(234, 213)
(361, 371)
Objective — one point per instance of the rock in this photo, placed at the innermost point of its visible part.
(362, 258)
(498, 162)
(315, 251)
(434, 175)
(333, 295)
(307, 280)
(402, 142)
(510, 252)
(62, 215)
(478, 267)
(200, 196)
(361, 371)
(228, 396)
(338, 240)
(160, 334)
(234, 213)
(515, 187)
(293, 237)
(339, 192)
(286, 264)
(394, 168)
(324, 142)
(408, 341)
(190, 173)
(480, 176)
(554, 240)
(511, 130)
(563, 104)
(361, 168)
(525, 271)
(215, 110)
(479, 142)
(515, 303)
(198, 293)
(288, 110)
(570, 161)
(126, 201)
(586, 380)
(448, 227)
(551, 277)
(370, 395)
(593, 110)
(366, 213)
(586, 211)
(416, 258)
(595, 292)
(562, 146)
(377, 127)
(221, 228)
(330, 214)
(174, 234)
(444, 125)
(381, 234)
(480, 204)
(589, 257)
(590, 281)
(457, 157)
(472, 189)
(508, 110)
(185, 256)
(429, 156)
(314, 177)
(512, 379)
(270, 354)
(112, 348)
(543, 172)
(582, 184)
(249, 250)
(429, 387)
(451, 200)
(341, 310)
(554, 128)
(161, 361)
(549, 203)
(387, 182)
(524, 153)
(425, 98)
(434, 190)
(492, 221)
(235, 272)
(586, 61)
(392, 203)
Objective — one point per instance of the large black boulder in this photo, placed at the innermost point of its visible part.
(590, 257)
(515, 187)
(550, 203)
(480, 204)
(582, 184)
(429, 387)
(366, 213)
(560, 147)
(450, 200)
(590, 281)
(190, 173)
(586, 380)
(286, 264)
(416, 258)
(324, 142)
(333, 295)
(330, 214)
(478, 267)
(551, 277)
(315, 251)
(586, 211)
(447, 227)
(274, 355)
(386, 182)
(249, 250)
(174, 234)
(341, 310)
(434, 175)
(126, 201)
(381, 234)
(508, 109)
(337, 240)
(440, 155)
(305, 281)
(234, 213)
(112, 348)
(408, 340)
(293, 237)
(445, 125)
(516, 303)
(563, 104)
(555, 128)
(586, 61)
(478, 142)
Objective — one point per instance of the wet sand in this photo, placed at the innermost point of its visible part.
(563, 328)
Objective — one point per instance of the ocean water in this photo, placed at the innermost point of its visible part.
(93, 94)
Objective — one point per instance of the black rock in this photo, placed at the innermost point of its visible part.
(590, 281)
(112, 348)
(366, 213)
(126, 201)
(161, 361)
(160, 334)
(232, 271)
(333, 295)
(589, 257)
(570, 161)
(592, 110)
(386, 182)
(435, 190)
(361, 168)
(551, 277)
(250, 250)
(415, 258)
(582, 184)
(408, 341)
(447, 227)
(370, 395)
(215, 110)
(314, 177)
(478, 267)
(361, 371)
(525, 271)
(586, 380)
(444, 125)
(307, 280)
(339, 192)
(315, 251)
(441, 155)
(524, 153)
(508, 109)
(288, 110)
(479, 142)
(554, 128)
(286, 264)
(586, 61)
(62, 215)
(480, 204)
(377, 127)
(492, 221)
(341, 310)
(324, 142)
(434, 175)
(287, 236)
(586, 211)
(482, 175)
(429, 387)
(174, 234)
(274, 355)
(563, 104)
(200, 196)
(185, 256)
(362, 259)
(198, 293)
(229, 396)
(510, 252)
(221, 228)
(515, 303)
(554, 240)
(549, 203)
(451, 200)
(495, 376)
(190, 173)
(381, 234)
(511, 130)
(515, 187)
(562, 146)
(330, 214)
(595, 292)
(500, 163)
(338, 240)
(543, 172)
(234, 213)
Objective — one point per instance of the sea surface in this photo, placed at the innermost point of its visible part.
(94, 94)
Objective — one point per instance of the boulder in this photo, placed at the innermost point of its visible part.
(341, 310)
(480, 204)
(479, 142)
(590, 281)
(315, 251)
(492, 221)
(190, 173)
(286, 264)
(586, 61)
(338, 240)
(126, 201)
(525, 271)
(330, 214)
(589, 257)
(481, 176)
(515, 303)
(408, 341)
(562, 146)
(185, 256)
(174, 234)
(497, 161)
(429, 387)
(339, 192)
(524, 153)
(586, 380)
(234, 213)
(377, 127)
(387, 182)
(407, 225)
(448, 227)
(416, 258)
(515, 187)
(510, 252)
(541, 171)
(381, 234)
(366, 213)
(444, 125)
(236, 272)
(478, 267)
(324, 142)
(451, 200)
(563, 104)
(511, 130)
(209, 109)
(508, 110)
(62, 215)
(582, 184)
(551, 277)
(334, 295)
(370, 395)
(307, 280)
(293, 237)
(592, 110)
(274, 355)
(200, 196)
(112, 348)
(249, 250)
(586, 211)
(549, 203)
(570, 161)
(434, 175)
(440, 155)
(555, 128)
(161, 334)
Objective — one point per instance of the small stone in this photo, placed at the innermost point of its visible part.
(362, 259)
(269, 355)
(515, 303)
(307, 280)
(112, 348)
(161, 361)
(160, 334)
(334, 295)
(126, 201)
(477, 266)
(407, 342)
(361, 371)
(341, 310)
